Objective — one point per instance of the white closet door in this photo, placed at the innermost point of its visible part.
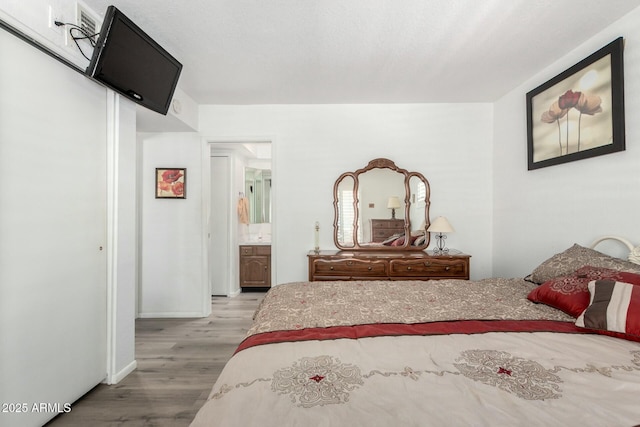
(52, 232)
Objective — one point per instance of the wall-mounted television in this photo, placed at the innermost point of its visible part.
(130, 62)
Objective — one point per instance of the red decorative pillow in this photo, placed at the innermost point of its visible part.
(391, 240)
(571, 293)
(614, 306)
(398, 242)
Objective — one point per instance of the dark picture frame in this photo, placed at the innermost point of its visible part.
(171, 183)
(579, 113)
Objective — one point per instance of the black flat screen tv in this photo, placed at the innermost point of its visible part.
(130, 62)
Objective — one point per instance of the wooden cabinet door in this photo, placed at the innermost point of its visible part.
(255, 266)
(254, 271)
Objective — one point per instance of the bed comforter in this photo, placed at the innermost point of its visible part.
(436, 353)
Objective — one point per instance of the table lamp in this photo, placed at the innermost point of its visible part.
(393, 204)
(440, 225)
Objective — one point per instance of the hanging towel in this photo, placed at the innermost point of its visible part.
(243, 210)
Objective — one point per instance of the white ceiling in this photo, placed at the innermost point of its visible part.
(364, 51)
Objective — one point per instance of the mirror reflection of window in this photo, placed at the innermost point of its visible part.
(346, 211)
(418, 202)
(422, 191)
(346, 217)
(258, 191)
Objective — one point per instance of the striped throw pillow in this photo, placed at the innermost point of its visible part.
(614, 306)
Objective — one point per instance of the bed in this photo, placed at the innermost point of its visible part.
(560, 347)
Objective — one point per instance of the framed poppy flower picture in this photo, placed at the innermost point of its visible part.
(579, 113)
(171, 183)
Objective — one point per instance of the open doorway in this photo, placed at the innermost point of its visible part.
(238, 170)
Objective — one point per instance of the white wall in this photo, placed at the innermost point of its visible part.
(123, 245)
(172, 261)
(542, 212)
(32, 17)
(312, 145)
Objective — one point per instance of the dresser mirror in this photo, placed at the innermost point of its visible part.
(381, 207)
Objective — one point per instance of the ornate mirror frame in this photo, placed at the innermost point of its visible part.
(343, 200)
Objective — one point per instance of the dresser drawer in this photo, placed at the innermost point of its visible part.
(398, 265)
(390, 224)
(382, 234)
(349, 267)
(249, 250)
(433, 268)
(381, 229)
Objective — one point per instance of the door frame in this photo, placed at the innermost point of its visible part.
(222, 144)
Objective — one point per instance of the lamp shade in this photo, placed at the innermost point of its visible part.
(440, 225)
(393, 203)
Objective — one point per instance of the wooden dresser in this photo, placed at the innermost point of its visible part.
(383, 228)
(353, 265)
(255, 266)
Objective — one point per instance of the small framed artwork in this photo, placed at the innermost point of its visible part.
(171, 183)
(579, 113)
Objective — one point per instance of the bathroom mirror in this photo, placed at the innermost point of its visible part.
(381, 207)
(258, 191)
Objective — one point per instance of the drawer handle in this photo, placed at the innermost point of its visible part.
(331, 268)
(349, 262)
(426, 263)
(409, 268)
(370, 268)
(447, 268)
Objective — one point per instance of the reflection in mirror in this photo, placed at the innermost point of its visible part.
(258, 191)
(418, 203)
(376, 188)
(346, 218)
(381, 207)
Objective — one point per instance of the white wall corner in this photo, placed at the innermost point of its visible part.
(184, 108)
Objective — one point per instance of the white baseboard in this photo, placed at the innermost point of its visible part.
(177, 315)
(119, 376)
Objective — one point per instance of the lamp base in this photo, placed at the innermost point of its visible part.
(440, 247)
(440, 251)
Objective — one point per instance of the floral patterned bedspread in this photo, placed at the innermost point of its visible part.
(537, 378)
(301, 305)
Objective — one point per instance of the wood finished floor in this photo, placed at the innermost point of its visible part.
(178, 361)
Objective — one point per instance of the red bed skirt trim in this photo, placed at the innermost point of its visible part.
(395, 329)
